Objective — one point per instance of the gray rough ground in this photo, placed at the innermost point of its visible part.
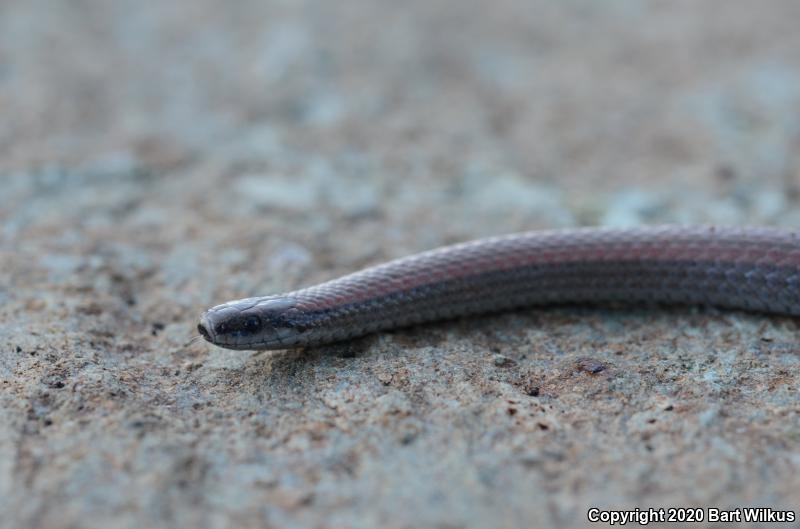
(160, 157)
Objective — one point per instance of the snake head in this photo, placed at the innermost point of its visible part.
(252, 323)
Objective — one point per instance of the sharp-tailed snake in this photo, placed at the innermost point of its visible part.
(755, 269)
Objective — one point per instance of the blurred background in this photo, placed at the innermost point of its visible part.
(160, 157)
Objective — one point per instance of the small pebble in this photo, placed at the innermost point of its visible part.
(590, 365)
(502, 361)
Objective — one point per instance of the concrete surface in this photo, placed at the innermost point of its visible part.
(157, 158)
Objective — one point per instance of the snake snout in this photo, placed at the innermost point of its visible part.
(202, 328)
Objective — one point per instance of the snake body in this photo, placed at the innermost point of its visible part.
(755, 269)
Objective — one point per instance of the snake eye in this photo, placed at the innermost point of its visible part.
(252, 323)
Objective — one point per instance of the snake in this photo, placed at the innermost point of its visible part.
(741, 268)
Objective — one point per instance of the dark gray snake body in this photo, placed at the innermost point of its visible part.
(754, 269)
